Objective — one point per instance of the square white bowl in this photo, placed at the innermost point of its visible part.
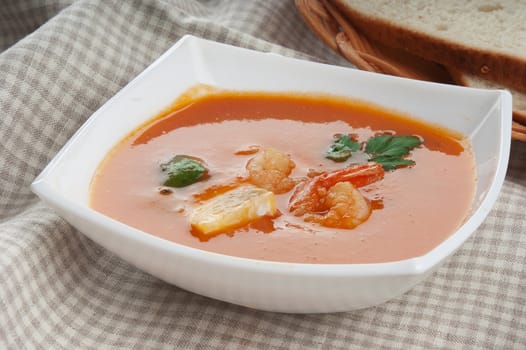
(482, 115)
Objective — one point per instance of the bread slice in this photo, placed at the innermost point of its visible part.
(518, 97)
(484, 38)
(365, 53)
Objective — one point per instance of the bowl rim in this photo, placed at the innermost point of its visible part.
(412, 266)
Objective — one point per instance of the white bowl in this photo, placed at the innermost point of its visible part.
(482, 115)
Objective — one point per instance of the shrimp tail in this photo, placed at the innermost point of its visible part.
(358, 175)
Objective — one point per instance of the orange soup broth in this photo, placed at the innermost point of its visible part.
(422, 204)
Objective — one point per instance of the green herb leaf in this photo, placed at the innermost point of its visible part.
(341, 149)
(391, 163)
(182, 171)
(389, 150)
(378, 144)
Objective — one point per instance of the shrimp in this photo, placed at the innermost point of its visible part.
(347, 208)
(270, 170)
(332, 199)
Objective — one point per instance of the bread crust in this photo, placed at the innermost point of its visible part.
(499, 67)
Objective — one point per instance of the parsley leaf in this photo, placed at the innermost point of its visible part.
(391, 163)
(182, 171)
(341, 149)
(389, 150)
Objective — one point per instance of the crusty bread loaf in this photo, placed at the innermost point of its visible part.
(484, 38)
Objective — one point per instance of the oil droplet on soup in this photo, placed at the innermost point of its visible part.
(414, 208)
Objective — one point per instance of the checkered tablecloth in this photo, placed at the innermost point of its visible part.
(59, 61)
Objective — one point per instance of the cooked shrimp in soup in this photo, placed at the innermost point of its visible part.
(332, 200)
(270, 170)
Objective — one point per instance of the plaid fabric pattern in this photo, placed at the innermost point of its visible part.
(61, 60)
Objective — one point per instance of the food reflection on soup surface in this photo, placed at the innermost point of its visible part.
(289, 177)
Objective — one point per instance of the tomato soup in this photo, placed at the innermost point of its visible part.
(415, 206)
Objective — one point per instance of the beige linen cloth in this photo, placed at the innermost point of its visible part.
(60, 61)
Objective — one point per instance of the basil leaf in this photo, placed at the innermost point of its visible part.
(182, 171)
(341, 149)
